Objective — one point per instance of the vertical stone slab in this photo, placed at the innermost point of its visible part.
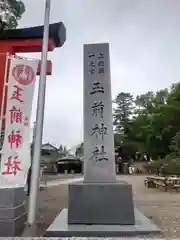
(99, 162)
(99, 206)
(12, 211)
(99, 199)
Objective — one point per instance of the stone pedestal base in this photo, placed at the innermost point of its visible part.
(142, 228)
(101, 210)
(12, 211)
(97, 203)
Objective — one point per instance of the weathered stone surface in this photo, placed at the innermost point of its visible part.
(12, 211)
(12, 227)
(98, 203)
(99, 162)
(61, 228)
(11, 197)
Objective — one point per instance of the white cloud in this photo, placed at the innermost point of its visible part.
(144, 41)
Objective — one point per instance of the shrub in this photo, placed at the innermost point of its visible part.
(138, 170)
(154, 166)
(171, 167)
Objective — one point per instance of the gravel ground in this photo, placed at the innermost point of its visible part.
(61, 176)
(50, 202)
(162, 207)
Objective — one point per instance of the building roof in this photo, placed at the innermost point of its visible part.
(49, 146)
(71, 157)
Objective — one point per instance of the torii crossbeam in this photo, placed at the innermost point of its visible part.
(28, 40)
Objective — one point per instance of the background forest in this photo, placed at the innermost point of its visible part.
(148, 124)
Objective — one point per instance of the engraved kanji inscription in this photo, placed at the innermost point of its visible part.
(97, 88)
(98, 109)
(99, 130)
(99, 154)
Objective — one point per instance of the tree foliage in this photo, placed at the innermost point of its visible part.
(63, 151)
(80, 150)
(151, 121)
(16, 8)
(147, 124)
(123, 111)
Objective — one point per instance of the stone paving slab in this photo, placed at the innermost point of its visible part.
(58, 182)
(142, 227)
(83, 238)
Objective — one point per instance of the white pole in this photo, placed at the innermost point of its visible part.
(39, 122)
(4, 92)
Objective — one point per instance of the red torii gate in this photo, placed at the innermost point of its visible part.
(27, 40)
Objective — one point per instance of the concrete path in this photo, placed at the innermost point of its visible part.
(92, 238)
(57, 182)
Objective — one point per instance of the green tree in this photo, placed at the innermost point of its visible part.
(53, 163)
(125, 148)
(63, 151)
(145, 103)
(152, 123)
(123, 112)
(16, 9)
(158, 122)
(175, 145)
(80, 150)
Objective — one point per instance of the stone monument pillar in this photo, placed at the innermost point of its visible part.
(98, 122)
(99, 199)
(99, 206)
